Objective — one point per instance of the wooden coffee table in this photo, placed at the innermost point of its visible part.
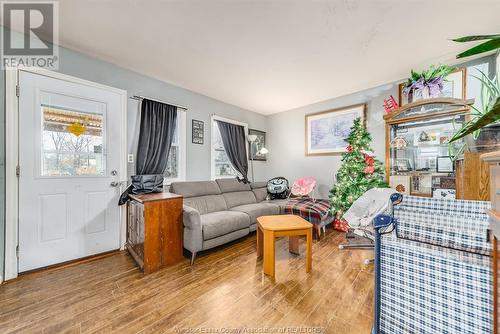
(291, 226)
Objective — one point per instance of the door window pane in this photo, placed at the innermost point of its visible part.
(72, 142)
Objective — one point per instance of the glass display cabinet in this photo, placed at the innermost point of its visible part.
(417, 157)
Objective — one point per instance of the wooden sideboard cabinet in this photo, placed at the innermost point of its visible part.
(154, 230)
(493, 159)
(473, 177)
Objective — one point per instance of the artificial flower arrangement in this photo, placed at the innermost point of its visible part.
(426, 84)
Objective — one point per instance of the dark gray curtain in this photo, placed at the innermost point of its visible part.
(156, 134)
(234, 140)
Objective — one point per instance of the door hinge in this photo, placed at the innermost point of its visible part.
(17, 90)
(18, 170)
(17, 251)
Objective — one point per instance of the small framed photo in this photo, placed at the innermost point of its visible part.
(258, 145)
(445, 165)
(425, 164)
(422, 184)
(403, 165)
(198, 134)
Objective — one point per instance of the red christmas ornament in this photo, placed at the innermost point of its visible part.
(369, 170)
(340, 225)
(349, 148)
(369, 160)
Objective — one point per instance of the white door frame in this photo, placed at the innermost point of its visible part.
(12, 158)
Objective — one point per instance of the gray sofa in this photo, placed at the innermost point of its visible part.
(217, 212)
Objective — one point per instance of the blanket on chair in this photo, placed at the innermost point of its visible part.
(316, 212)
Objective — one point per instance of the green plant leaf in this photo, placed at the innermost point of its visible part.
(490, 84)
(490, 45)
(489, 117)
(477, 112)
(454, 155)
(474, 38)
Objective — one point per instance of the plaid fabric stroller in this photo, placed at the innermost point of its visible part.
(432, 268)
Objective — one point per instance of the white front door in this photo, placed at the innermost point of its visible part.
(70, 136)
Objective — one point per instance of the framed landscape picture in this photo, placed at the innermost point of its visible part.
(258, 144)
(326, 131)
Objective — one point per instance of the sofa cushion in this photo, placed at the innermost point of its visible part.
(206, 204)
(260, 194)
(195, 188)
(218, 223)
(257, 210)
(257, 185)
(239, 198)
(281, 203)
(231, 185)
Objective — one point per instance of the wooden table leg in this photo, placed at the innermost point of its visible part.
(309, 250)
(269, 256)
(260, 243)
(293, 244)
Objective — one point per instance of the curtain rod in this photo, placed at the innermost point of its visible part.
(140, 97)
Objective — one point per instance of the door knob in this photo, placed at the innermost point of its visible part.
(115, 184)
(114, 173)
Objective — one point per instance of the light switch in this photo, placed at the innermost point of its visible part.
(130, 158)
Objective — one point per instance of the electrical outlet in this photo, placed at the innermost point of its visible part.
(130, 158)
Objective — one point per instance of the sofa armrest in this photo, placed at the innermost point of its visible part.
(193, 234)
(191, 218)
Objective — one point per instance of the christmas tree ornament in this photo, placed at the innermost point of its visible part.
(369, 160)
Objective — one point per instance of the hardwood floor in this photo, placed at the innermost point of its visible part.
(224, 289)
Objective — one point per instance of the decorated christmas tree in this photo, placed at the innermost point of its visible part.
(359, 172)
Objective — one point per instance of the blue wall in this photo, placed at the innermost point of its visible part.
(199, 107)
(282, 127)
(292, 163)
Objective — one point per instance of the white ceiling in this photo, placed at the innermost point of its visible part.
(271, 56)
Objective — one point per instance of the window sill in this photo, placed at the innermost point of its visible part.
(224, 177)
(168, 182)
